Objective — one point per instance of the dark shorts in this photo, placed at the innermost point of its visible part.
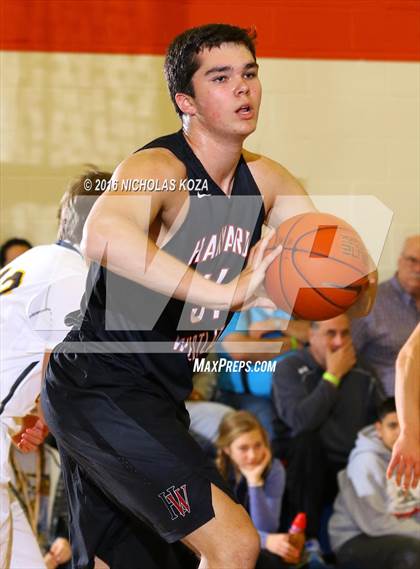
(126, 455)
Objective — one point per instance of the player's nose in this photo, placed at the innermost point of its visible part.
(242, 87)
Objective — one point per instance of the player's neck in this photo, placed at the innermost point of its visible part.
(219, 156)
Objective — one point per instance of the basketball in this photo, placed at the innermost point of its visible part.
(322, 269)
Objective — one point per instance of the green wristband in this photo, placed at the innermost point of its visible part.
(294, 344)
(331, 378)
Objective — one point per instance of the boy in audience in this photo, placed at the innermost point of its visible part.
(375, 523)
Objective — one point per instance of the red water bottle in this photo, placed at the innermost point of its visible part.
(297, 532)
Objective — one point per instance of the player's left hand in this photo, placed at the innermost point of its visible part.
(61, 550)
(248, 287)
(32, 435)
(405, 461)
(365, 302)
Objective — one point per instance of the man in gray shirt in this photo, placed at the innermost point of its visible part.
(323, 397)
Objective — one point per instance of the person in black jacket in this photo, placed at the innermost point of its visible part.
(323, 397)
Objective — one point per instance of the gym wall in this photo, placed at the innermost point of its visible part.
(82, 82)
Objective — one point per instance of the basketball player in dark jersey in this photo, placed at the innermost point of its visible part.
(172, 258)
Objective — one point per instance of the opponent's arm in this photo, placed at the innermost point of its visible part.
(406, 451)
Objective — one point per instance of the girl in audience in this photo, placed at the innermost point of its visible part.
(258, 480)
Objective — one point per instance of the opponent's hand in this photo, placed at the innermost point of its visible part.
(247, 287)
(253, 474)
(32, 435)
(61, 550)
(405, 461)
(279, 544)
(342, 360)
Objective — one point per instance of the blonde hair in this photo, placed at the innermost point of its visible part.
(234, 425)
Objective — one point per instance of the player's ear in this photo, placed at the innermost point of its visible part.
(185, 103)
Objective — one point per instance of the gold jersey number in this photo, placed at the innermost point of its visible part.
(10, 280)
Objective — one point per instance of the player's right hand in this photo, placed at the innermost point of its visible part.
(247, 287)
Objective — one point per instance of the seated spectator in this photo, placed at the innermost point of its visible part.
(380, 336)
(375, 523)
(323, 398)
(251, 387)
(244, 459)
(11, 249)
(205, 414)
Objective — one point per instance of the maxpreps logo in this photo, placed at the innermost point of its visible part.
(176, 501)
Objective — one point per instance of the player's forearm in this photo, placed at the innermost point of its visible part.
(407, 386)
(131, 254)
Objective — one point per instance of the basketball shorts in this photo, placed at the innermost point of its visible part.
(126, 454)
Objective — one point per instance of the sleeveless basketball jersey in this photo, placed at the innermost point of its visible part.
(150, 336)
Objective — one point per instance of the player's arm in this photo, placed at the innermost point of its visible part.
(406, 451)
(119, 234)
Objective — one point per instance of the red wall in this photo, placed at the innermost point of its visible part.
(321, 29)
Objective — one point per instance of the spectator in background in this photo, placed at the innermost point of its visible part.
(244, 460)
(375, 523)
(379, 336)
(12, 248)
(323, 398)
(251, 390)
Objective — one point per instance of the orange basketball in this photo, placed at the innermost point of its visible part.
(322, 269)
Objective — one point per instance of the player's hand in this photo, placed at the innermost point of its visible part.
(365, 302)
(32, 435)
(253, 474)
(405, 461)
(279, 544)
(61, 550)
(342, 360)
(247, 288)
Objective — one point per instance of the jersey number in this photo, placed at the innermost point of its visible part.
(9, 281)
(197, 314)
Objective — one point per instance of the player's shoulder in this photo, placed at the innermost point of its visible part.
(272, 178)
(154, 163)
(262, 166)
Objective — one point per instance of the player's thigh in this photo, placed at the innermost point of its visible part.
(231, 527)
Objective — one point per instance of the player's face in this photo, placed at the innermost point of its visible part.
(409, 266)
(227, 91)
(388, 429)
(330, 335)
(247, 450)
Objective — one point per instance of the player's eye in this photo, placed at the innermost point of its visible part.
(250, 75)
(220, 79)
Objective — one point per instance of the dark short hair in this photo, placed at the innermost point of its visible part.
(181, 59)
(11, 243)
(387, 406)
(77, 202)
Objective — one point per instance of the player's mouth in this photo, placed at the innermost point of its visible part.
(245, 112)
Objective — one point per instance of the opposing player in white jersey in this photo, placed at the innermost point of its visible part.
(37, 290)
